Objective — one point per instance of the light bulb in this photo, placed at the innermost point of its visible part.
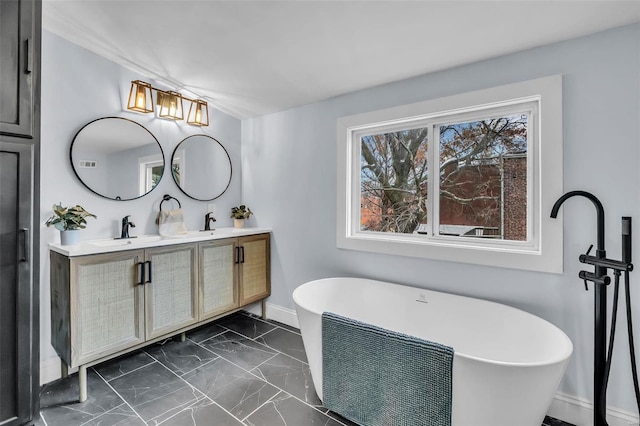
(141, 98)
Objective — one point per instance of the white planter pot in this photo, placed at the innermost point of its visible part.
(70, 237)
(238, 223)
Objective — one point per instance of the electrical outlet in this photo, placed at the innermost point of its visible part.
(211, 207)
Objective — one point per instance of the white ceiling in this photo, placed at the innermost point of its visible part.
(251, 58)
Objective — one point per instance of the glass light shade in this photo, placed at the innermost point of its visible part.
(170, 105)
(140, 97)
(198, 113)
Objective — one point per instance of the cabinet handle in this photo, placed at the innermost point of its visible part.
(242, 254)
(148, 262)
(28, 51)
(236, 255)
(140, 273)
(25, 245)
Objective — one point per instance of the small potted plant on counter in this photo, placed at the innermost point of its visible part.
(239, 214)
(68, 220)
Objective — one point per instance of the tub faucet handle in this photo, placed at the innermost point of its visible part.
(586, 287)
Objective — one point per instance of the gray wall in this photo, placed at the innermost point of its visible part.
(289, 180)
(77, 87)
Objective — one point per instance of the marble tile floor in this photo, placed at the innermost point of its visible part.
(239, 370)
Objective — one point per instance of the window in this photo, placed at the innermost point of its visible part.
(457, 178)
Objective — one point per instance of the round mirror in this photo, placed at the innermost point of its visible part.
(117, 158)
(201, 167)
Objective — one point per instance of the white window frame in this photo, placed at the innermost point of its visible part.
(543, 249)
(145, 164)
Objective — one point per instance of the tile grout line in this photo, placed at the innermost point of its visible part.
(263, 404)
(118, 393)
(43, 419)
(152, 360)
(264, 379)
(204, 396)
(210, 337)
(104, 413)
(198, 390)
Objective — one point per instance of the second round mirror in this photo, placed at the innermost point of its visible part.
(201, 167)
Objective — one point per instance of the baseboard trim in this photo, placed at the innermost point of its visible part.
(49, 370)
(277, 313)
(579, 411)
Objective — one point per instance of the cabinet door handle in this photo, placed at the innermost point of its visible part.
(28, 52)
(140, 273)
(242, 254)
(25, 245)
(148, 262)
(236, 255)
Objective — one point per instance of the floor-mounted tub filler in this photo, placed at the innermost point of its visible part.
(507, 362)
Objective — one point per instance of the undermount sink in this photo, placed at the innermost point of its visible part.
(126, 241)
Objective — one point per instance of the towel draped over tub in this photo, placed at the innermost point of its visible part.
(378, 377)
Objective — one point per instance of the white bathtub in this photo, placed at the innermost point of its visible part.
(507, 362)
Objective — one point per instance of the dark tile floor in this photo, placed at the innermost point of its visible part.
(237, 371)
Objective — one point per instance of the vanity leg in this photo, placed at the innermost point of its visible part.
(64, 369)
(183, 336)
(82, 378)
(264, 309)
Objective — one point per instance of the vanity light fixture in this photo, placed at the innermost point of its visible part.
(140, 97)
(198, 113)
(170, 104)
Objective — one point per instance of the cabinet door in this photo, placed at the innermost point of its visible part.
(218, 277)
(106, 304)
(16, 286)
(171, 289)
(255, 271)
(17, 67)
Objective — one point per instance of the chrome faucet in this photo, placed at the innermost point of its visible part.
(208, 218)
(125, 227)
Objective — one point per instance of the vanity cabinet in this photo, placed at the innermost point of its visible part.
(171, 289)
(218, 277)
(97, 305)
(234, 272)
(106, 304)
(254, 268)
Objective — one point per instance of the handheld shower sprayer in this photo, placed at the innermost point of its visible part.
(600, 279)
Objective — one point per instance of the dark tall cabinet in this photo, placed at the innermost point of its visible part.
(20, 33)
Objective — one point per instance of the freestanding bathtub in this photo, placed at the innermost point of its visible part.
(507, 362)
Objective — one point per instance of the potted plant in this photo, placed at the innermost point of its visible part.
(68, 220)
(239, 214)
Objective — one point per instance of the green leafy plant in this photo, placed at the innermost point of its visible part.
(69, 218)
(241, 212)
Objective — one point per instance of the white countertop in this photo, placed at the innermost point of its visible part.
(111, 245)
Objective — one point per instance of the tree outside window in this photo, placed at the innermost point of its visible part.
(482, 178)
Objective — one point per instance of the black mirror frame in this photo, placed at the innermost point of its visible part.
(178, 184)
(91, 189)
